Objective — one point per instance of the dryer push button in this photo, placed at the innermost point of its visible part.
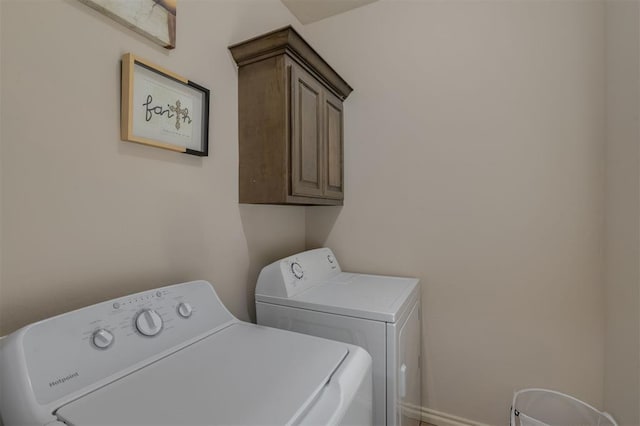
(102, 338)
(185, 310)
(297, 270)
(149, 322)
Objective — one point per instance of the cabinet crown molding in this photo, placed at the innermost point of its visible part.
(287, 41)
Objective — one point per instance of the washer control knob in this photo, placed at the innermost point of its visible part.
(148, 322)
(297, 271)
(330, 258)
(185, 310)
(102, 338)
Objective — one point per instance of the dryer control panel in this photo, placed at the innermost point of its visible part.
(295, 274)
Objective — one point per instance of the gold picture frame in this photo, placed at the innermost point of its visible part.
(163, 109)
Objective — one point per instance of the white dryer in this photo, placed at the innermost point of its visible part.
(176, 356)
(309, 293)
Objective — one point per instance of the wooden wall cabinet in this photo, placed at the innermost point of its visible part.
(290, 122)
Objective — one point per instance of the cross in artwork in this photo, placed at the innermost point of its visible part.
(181, 113)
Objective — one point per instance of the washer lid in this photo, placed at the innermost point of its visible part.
(374, 297)
(243, 375)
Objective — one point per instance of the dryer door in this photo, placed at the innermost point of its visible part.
(408, 370)
(242, 375)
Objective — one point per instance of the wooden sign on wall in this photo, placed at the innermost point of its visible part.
(154, 19)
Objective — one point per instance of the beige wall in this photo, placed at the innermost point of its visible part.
(86, 217)
(622, 254)
(1, 203)
(474, 161)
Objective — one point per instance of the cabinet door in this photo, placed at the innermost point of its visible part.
(307, 164)
(333, 138)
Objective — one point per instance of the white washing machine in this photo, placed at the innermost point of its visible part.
(309, 293)
(176, 356)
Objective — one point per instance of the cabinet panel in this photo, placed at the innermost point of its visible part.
(309, 135)
(306, 147)
(333, 140)
(262, 99)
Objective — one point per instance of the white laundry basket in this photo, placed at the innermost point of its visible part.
(543, 407)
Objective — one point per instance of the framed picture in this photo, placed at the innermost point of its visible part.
(162, 109)
(154, 19)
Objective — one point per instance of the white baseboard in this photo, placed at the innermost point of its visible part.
(437, 418)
